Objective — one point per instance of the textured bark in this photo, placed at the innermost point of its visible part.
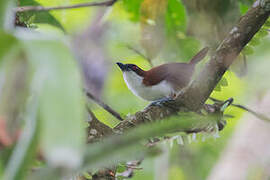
(193, 97)
(200, 89)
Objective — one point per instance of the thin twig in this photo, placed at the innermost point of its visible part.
(258, 115)
(140, 54)
(42, 8)
(104, 106)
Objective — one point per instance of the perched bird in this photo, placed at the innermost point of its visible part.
(161, 82)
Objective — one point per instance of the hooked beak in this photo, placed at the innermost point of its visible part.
(122, 66)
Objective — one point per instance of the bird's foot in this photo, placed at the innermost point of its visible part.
(161, 102)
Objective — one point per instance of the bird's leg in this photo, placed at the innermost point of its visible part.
(161, 102)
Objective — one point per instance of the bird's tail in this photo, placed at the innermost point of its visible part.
(199, 56)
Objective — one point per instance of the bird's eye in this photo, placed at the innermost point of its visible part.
(134, 68)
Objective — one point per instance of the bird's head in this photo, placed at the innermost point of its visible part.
(131, 68)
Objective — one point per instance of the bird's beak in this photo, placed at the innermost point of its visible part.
(122, 66)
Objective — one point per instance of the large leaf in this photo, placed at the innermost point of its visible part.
(61, 102)
(13, 98)
(126, 147)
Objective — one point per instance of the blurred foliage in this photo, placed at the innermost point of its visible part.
(49, 120)
(6, 16)
(152, 26)
(55, 66)
(71, 19)
(133, 7)
(118, 148)
(32, 18)
(48, 108)
(5, 48)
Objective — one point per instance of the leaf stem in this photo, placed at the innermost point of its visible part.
(104, 106)
(42, 8)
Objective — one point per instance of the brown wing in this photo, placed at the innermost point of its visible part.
(178, 74)
(155, 75)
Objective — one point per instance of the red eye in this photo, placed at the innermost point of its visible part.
(134, 68)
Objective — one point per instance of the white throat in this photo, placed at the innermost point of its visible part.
(149, 93)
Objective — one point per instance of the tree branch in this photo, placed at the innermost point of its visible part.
(104, 106)
(195, 95)
(140, 54)
(256, 114)
(200, 89)
(96, 129)
(42, 8)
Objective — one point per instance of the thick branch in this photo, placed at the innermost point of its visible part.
(140, 54)
(195, 95)
(96, 129)
(41, 8)
(200, 89)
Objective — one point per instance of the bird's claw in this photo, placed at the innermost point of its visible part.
(161, 102)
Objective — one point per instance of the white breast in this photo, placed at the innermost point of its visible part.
(150, 93)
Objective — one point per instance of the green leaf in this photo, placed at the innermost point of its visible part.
(175, 17)
(247, 2)
(10, 42)
(118, 148)
(223, 81)
(267, 23)
(255, 41)
(121, 168)
(180, 46)
(70, 19)
(218, 87)
(243, 8)
(38, 17)
(133, 7)
(248, 50)
(262, 33)
(61, 102)
(87, 175)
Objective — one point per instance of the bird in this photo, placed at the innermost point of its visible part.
(163, 82)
